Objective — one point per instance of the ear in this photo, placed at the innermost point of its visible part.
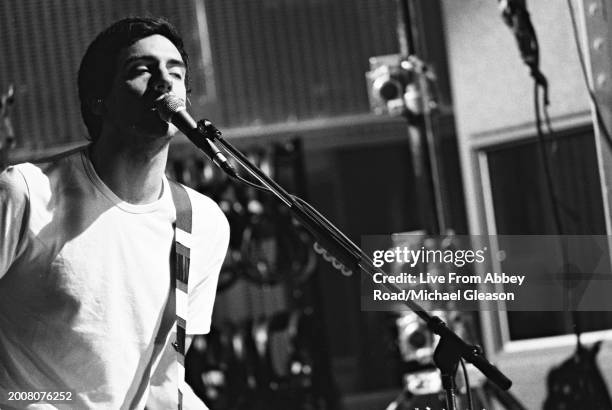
(97, 106)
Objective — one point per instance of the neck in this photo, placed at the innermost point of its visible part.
(134, 173)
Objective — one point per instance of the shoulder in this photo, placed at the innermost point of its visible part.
(15, 205)
(35, 180)
(15, 180)
(206, 211)
(210, 227)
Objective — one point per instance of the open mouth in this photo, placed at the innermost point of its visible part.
(152, 104)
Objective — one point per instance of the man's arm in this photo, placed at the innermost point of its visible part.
(163, 385)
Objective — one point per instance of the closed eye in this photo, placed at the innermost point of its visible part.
(137, 70)
(178, 74)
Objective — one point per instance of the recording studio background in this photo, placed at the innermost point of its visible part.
(285, 80)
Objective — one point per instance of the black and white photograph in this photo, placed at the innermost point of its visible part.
(306, 204)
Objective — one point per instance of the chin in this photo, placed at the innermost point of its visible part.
(156, 129)
(160, 137)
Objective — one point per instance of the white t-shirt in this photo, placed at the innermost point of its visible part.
(84, 285)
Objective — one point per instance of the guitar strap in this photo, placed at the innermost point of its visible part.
(180, 275)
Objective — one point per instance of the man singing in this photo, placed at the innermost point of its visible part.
(86, 238)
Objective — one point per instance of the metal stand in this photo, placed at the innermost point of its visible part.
(419, 115)
(446, 358)
(349, 254)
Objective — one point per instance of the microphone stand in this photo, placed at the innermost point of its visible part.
(451, 347)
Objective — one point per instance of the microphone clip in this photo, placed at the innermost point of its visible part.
(208, 130)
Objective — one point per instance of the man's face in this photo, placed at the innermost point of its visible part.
(145, 70)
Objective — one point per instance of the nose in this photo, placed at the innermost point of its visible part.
(163, 82)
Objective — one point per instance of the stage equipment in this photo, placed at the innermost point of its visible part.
(578, 383)
(273, 362)
(516, 16)
(391, 86)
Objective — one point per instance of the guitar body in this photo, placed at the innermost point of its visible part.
(577, 383)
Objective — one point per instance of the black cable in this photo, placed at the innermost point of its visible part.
(237, 177)
(545, 162)
(551, 132)
(467, 384)
(529, 48)
(550, 186)
(585, 76)
(554, 202)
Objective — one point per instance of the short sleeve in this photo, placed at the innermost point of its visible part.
(13, 216)
(210, 241)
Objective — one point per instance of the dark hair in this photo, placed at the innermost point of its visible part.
(97, 69)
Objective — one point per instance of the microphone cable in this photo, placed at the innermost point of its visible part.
(545, 157)
(467, 385)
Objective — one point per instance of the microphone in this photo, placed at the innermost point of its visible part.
(515, 15)
(172, 109)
